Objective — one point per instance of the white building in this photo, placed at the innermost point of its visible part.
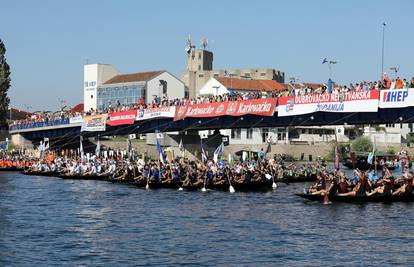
(104, 86)
(224, 85)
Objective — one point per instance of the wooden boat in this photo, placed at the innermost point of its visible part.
(39, 173)
(297, 178)
(10, 169)
(360, 199)
(83, 177)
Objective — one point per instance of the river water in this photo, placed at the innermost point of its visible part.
(48, 221)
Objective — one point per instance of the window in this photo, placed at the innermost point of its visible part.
(201, 75)
(262, 74)
(235, 133)
(199, 55)
(163, 85)
(91, 96)
(199, 67)
(249, 133)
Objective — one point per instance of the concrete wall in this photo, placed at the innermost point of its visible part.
(95, 75)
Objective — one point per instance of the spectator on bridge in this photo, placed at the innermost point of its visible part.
(399, 83)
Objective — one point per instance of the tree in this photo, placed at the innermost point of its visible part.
(362, 144)
(4, 85)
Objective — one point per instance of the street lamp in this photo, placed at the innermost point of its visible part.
(395, 69)
(383, 44)
(216, 87)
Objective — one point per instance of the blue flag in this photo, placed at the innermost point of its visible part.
(203, 153)
(161, 153)
(218, 152)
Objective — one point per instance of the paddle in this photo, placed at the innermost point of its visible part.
(326, 200)
(147, 186)
(231, 188)
(204, 186)
(268, 177)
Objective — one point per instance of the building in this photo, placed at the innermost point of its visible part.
(199, 70)
(104, 86)
(224, 85)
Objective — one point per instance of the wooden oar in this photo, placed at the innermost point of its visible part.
(204, 186)
(231, 188)
(147, 186)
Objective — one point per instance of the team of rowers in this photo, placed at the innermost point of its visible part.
(188, 173)
(197, 174)
(331, 184)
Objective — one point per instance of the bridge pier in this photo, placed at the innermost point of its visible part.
(19, 141)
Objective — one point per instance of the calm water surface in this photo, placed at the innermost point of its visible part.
(49, 221)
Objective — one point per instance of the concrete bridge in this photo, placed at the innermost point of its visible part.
(65, 130)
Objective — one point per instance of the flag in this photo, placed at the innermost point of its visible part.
(161, 154)
(337, 157)
(129, 146)
(4, 145)
(325, 60)
(41, 147)
(45, 145)
(181, 146)
(82, 155)
(98, 148)
(269, 147)
(371, 155)
(203, 153)
(218, 152)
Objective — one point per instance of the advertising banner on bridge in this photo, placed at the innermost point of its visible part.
(396, 98)
(122, 118)
(261, 107)
(94, 123)
(356, 101)
(76, 119)
(154, 113)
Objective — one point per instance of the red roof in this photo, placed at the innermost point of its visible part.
(134, 77)
(250, 85)
(77, 108)
(312, 86)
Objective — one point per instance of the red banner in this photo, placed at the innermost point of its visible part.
(261, 107)
(121, 118)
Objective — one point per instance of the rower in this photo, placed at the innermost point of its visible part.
(361, 187)
(407, 187)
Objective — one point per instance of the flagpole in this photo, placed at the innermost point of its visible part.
(382, 52)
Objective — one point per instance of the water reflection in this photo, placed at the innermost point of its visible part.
(48, 221)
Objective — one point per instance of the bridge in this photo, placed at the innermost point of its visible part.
(389, 107)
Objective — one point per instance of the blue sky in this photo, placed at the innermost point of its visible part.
(49, 41)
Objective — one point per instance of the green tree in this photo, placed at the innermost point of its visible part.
(362, 144)
(4, 84)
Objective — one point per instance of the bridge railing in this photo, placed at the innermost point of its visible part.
(23, 126)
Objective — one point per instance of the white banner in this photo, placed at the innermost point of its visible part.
(356, 101)
(77, 119)
(396, 98)
(153, 113)
(94, 123)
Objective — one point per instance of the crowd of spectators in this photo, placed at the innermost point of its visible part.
(386, 83)
(50, 119)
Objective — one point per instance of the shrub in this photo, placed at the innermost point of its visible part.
(362, 144)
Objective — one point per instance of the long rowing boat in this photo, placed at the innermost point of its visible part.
(360, 199)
